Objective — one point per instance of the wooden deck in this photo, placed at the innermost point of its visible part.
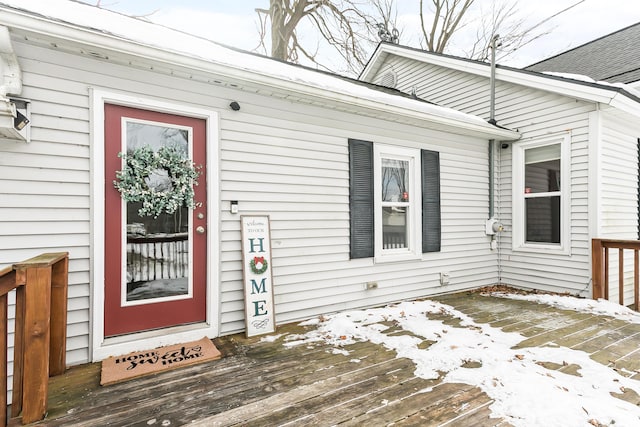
(261, 383)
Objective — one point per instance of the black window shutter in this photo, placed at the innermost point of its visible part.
(361, 198)
(430, 201)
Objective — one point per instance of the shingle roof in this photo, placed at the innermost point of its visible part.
(612, 58)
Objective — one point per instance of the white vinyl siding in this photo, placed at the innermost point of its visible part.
(618, 192)
(306, 195)
(277, 157)
(534, 113)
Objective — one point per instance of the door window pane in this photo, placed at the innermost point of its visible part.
(157, 248)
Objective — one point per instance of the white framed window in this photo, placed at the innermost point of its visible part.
(541, 194)
(397, 203)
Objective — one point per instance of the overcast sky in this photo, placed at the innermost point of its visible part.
(234, 22)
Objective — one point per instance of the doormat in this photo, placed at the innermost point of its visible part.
(136, 364)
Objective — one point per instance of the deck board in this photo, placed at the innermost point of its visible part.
(259, 382)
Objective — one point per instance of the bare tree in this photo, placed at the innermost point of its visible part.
(501, 18)
(387, 15)
(348, 26)
(446, 20)
(505, 19)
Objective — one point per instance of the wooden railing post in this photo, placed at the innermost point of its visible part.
(3, 360)
(621, 276)
(58, 342)
(7, 281)
(18, 347)
(40, 332)
(597, 272)
(35, 383)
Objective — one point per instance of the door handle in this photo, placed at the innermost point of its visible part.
(200, 229)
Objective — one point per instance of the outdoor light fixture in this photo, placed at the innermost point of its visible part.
(20, 121)
(234, 106)
(14, 118)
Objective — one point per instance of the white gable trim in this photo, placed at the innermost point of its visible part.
(563, 86)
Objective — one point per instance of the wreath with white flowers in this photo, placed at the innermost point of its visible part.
(258, 265)
(161, 180)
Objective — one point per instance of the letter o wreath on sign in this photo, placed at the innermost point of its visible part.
(258, 265)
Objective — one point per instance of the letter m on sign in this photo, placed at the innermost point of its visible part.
(258, 288)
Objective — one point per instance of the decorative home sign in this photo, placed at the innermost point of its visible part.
(258, 280)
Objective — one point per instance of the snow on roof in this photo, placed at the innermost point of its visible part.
(152, 35)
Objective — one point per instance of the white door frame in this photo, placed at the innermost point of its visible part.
(101, 348)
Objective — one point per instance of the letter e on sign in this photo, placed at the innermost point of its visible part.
(259, 312)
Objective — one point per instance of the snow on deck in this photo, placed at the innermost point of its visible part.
(463, 359)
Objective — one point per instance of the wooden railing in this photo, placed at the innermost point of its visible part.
(157, 257)
(40, 332)
(600, 268)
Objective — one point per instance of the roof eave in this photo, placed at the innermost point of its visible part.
(418, 113)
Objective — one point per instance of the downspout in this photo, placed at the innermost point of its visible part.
(492, 226)
(492, 120)
(10, 76)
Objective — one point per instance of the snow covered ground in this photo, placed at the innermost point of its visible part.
(525, 392)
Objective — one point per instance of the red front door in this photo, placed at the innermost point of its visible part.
(155, 267)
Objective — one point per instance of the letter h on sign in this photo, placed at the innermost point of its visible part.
(252, 245)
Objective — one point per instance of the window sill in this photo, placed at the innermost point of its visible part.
(387, 258)
(543, 248)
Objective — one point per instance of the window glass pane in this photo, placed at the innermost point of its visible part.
(395, 180)
(543, 219)
(394, 228)
(542, 177)
(542, 154)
